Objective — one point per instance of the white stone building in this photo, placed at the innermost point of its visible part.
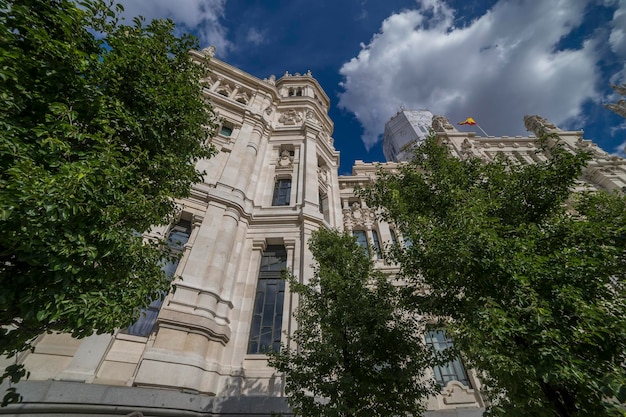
(402, 131)
(274, 181)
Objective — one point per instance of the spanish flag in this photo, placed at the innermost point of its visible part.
(468, 121)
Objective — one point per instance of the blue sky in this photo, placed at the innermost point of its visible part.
(493, 60)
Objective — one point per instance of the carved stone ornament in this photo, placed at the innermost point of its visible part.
(358, 216)
(285, 161)
(456, 393)
(466, 149)
(311, 116)
(322, 175)
(290, 117)
(209, 51)
(441, 124)
(242, 97)
(538, 125)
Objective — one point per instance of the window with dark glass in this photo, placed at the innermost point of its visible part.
(178, 236)
(226, 130)
(282, 192)
(394, 238)
(267, 316)
(451, 371)
(321, 197)
(377, 251)
(361, 239)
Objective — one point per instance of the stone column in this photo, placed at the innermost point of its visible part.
(199, 292)
(310, 192)
(242, 160)
(249, 160)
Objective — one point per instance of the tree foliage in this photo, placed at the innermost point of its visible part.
(357, 353)
(101, 124)
(527, 276)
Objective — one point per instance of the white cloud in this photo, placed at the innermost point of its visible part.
(497, 69)
(617, 40)
(255, 37)
(198, 16)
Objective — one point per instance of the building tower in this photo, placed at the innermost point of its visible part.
(406, 128)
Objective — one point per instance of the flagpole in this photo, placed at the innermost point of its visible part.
(470, 121)
(481, 129)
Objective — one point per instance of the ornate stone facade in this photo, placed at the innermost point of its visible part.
(274, 181)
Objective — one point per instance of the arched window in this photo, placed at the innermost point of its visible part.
(394, 237)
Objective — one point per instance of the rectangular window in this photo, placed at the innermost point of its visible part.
(226, 130)
(361, 239)
(267, 316)
(282, 192)
(451, 371)
(178, 236)
(377, 251)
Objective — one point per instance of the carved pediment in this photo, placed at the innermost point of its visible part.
(358, 216)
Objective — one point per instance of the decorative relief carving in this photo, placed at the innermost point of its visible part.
(355, 215)
(285, 161)
(290, 117)
(322, 175)
(311, 116)
(441, 124)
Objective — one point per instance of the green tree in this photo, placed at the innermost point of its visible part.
(100, 127)
(356, 352)
(528, 277)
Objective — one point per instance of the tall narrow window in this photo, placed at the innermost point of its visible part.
(451, 371)
(178, 236)
(267, 317)
(361, 239)
(394, 238)
(282, 192)
(377, 251)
